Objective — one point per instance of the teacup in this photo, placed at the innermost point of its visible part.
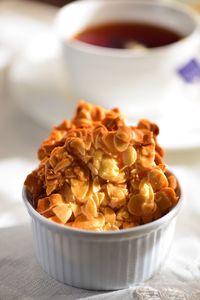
(142, 82)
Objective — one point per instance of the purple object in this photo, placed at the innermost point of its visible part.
(190, 72)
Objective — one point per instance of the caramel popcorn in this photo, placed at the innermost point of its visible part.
(97, 173)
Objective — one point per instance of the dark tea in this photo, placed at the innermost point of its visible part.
(128, 35)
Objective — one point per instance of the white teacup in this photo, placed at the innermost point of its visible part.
(139, 82)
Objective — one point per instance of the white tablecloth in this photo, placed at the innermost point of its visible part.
(21, 276)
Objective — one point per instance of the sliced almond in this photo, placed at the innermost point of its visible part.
(135, 204)
(90, 209)
(55, 219)
(79, 189)
(76, 209)
(129, 156)
(63, 212)
(110, 216)
(157, 179)
(82, 222)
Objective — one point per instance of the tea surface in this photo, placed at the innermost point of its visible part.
(128, 35)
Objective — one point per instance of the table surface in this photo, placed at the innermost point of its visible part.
(20, 275)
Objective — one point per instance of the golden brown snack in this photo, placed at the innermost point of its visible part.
(99, 174)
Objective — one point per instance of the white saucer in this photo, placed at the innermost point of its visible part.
(39, 85)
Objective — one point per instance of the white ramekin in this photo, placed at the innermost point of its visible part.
(101, 260)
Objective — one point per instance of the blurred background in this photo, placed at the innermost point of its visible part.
(35, 95)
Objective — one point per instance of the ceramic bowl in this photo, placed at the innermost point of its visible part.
(101, 260)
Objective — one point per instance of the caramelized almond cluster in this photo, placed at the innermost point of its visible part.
(99, 174)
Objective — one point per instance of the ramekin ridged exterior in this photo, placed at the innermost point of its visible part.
(101, 260)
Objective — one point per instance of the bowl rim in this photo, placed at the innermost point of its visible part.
(141, 229)
(124, 53)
